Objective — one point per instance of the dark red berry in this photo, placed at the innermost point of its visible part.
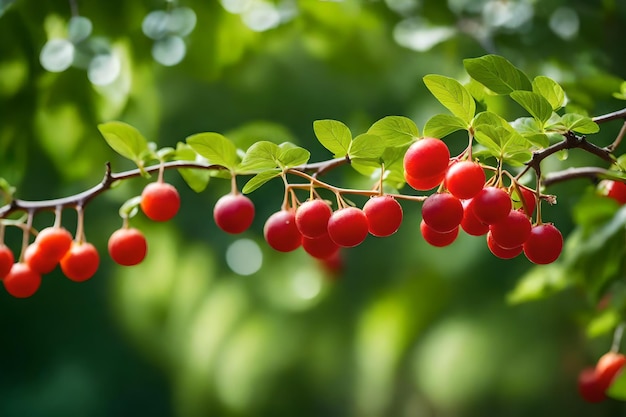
(588, 386)
(281, 233)
(512, 231)
(491, 205)
(127, 246)
(233, 213)
(384, 215)
(470, 223)
(501, 252)
(348, 227)
(160, 201)
(320, 247)
(312, 218)
(442, 212)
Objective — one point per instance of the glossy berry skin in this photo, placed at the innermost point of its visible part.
(160, 201)
(54, 242)
(384, 215)
(465, 179)
(233, 213)
(320, 247)
(22, 281)
(442, 212)
(348, 227)
(470, 223)
(426, 158)
(425, 183)
(6, 260)
(501, 252)
(127, 246)
(312, 218)
(544, 244)
(608, 367)
(281, 233)
(40, 261)
(436, 238)
(512, 231)
(491, 205)
(81, 262)
(613, 189)
(588, 386)
(530, 199)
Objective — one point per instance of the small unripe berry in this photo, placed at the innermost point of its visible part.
(127, 246)
(384, 215)
(160, 201)
(312, 218)
(281, 233)
(22, 281)
(348, 227)
(81, 262)
(233, 213)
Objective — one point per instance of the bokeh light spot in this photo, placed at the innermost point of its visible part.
(57, 55)
(244, 257)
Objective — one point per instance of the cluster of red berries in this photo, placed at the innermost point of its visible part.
(79, 259)
(467, 200)
(594, 381)
(313, 224)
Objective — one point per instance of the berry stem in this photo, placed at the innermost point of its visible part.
(26, 233)
(617, 337)
(80, 228)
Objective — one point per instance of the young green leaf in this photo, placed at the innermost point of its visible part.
(539, 282)
(579, 123)
(488, 118)
(333, 135)
(130, 208)
(196, 179)
(259, 179)
(216, 148)
(124, 139)
(262, 155)
(533, 103)
(452, 95)
(497, 74)
(366, 146)
(530, 129)
(550, 90)
(291, 156)
(395, 130)
(441, 125)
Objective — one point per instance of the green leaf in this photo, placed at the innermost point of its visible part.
(333, 135)
(441, 125)
(366, 146)
(488, 118)
(260, 156)
(550, 90)
(539, 282)
(603, 323)
(617, 389)
(130, 208)
(124, 139)
(497, 74)
(533, 103)
(505, 144)
(452, 95)
(394, 130)
(291, 156)
(530, 129)
(216, 148)
(579, 123)
(260, 179)
(367, 167)
(196, 179)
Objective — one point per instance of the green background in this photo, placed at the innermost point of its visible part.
(404, 330)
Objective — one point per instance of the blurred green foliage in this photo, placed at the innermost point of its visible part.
(405, 329)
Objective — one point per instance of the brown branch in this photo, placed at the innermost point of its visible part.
(574, 173)
(616, 115)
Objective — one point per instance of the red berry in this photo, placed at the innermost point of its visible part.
(512, 231)
(348, 227)
(384, 215)
(54, 242)
(613, 189)
(6, 260)
(442, 212)
(81, 262)
(501, 252)
(127, 246)
(608, 367)
(312, 218)
(426, 158)
(491, 205)
(470, 223)
(320, 247)
(281, 233)
(233, 213)
(22, 281)
(588, 386)
(529, 198)
(465, 179)
(544, 244)
(436, 238)
(160, 201)
(425, 183)
(40, 261)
